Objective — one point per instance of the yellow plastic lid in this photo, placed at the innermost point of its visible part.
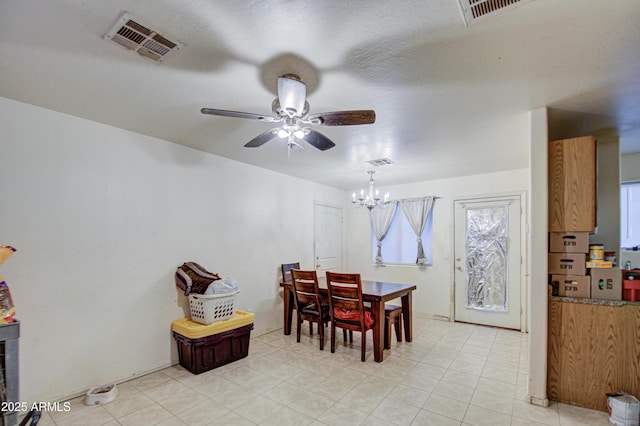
(194, 330)
(5, 253)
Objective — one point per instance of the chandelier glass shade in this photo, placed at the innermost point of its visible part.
(370, 199)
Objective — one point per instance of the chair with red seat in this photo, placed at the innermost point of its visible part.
(346, 307)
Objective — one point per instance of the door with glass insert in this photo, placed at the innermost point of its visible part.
(487, 261)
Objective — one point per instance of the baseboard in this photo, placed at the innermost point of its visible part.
(542, 402)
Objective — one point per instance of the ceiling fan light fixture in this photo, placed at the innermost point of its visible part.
(292, 94)
(291, 110)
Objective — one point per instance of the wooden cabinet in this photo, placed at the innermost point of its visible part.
(572, 185)
(594, 348)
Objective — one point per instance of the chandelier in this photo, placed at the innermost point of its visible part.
(372, 198)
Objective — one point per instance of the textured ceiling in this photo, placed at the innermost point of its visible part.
(448, 98)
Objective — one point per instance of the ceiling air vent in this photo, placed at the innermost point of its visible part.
(475, 10)
(380, 162)
(132, 34)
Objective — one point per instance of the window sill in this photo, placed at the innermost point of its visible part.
(402, 265)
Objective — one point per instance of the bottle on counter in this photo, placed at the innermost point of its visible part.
(610, 256)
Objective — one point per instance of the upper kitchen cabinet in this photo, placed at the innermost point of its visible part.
(572, 185)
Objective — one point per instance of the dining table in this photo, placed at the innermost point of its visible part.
(376, 293)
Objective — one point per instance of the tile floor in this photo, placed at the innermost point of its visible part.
(451, 374)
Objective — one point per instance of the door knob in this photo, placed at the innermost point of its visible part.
(459, 268)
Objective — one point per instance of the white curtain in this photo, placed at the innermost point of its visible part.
(380, 221)
(417, 211)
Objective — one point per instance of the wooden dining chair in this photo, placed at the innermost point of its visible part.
(286, 270)
(392, 317)
(346, 307)
(309, 303)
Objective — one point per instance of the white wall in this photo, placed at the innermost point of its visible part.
(630, 167)
(434, 284)
(101, 217)
(608, 193)
(538, 249)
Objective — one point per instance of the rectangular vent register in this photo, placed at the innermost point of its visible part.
(130, 33)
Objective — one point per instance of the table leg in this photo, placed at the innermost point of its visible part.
(377, 309)
(288, 310)
(406, 316)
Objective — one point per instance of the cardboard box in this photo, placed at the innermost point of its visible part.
(567, 263)
(606, 283)
(568, 242)
(572, 285)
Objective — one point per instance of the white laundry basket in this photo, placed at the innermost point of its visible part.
(207, 309)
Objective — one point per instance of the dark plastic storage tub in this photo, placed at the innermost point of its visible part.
(205, 347)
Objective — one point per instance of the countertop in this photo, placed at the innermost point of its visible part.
(584, 301)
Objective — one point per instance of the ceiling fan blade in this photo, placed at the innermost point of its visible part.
(236, 114)
(345, 118)
(318, 140)
(262, 138)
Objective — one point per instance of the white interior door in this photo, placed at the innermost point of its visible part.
(327, 238)
(488, 261)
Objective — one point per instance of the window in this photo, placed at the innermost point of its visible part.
(400, 245)
(630, 214)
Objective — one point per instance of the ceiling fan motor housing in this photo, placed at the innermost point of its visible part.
(292, 95)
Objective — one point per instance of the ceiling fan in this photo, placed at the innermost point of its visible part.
(291, 111)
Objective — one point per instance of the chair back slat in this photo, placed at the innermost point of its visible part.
(306, 292)
(348, 304)
(349, 291)
(305, 288)
(344, 278)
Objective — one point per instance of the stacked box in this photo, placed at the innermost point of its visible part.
(572, 285)
(568, 242)
(567, 264)
(606, 283)
(205, 347)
